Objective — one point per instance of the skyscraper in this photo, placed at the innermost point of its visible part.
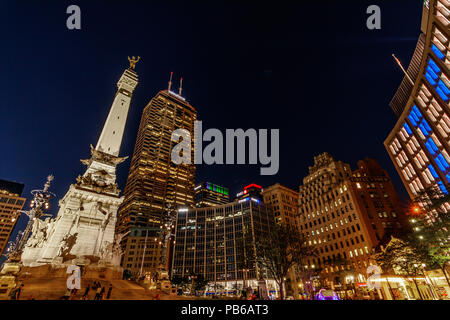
(83, 231)
(419, 143)
(346, 213)
(208, 194)
(284, 203)
(218, 243)
(154, 181)
(250, 191)
(10, 202)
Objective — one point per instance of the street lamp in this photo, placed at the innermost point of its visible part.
(39, 203)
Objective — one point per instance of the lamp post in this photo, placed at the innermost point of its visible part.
(166, 232)
(39, 203)
(143, 253)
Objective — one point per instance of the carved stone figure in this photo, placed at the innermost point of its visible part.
(117, 251)
(133, 62)
(67, 244)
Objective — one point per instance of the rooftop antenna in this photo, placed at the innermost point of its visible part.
(401, 67)
(181, 86)
(170, 81)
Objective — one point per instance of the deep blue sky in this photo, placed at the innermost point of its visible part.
(310, 68)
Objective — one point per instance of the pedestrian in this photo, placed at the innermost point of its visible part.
(97, 293)
(15, 294)
(102, 293)
(86, 292)
(66, 295)
(108, 296)
(73, 293)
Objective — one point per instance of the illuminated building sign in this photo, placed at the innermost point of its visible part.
(216, 188)
(252, 185)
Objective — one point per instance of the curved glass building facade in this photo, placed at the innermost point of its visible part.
(419, 143)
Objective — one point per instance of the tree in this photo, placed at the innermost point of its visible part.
(402, 257)
(182, 282)
(280, 249)
(431, 224)
(200, 283)
(245, 255)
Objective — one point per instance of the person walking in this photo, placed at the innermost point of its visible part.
(66, 295)
(108, 296)
(102, 294)
(86, 292)
(97, 293)
(15, 294)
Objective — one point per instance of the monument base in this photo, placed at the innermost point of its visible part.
(100, 272)
(8, 278)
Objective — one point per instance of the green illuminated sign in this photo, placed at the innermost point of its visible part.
(216, 188)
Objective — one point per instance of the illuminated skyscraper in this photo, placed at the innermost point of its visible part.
(345, 214)
(210, 242)
(419, 143)
(284, 203)
(208, 194)
(154, 181)
(10, 203)
(251, 191)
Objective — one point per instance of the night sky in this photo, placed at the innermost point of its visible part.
(309, 68)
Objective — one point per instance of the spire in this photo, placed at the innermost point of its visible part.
(170, 80)
(403, 69)
(181, 86)
(112, 133)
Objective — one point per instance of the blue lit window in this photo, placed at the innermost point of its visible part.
(433, 172)
(413, 121)
(425, 123)
(416, 111)
(407, 128)
(430, 148)
(443, 161)
(433, 145)
(430, 79)
(434, 66)
(448, 177)
(432, 73)
(441, 185)
(424, 131)
(437, 52)
(442, 94)
(438, 162)
(444, 87)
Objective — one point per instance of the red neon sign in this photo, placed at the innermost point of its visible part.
(252, 185)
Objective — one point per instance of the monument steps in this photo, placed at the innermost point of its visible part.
(55, 288)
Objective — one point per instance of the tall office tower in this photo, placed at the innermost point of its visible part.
(210, 242)
(208, 194)
(284, 203)
(154, 181)
(82, 233)
(10, 202)
(419, 143)
(345, 214)
(251, 191)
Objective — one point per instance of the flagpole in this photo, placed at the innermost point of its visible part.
(401, 67)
